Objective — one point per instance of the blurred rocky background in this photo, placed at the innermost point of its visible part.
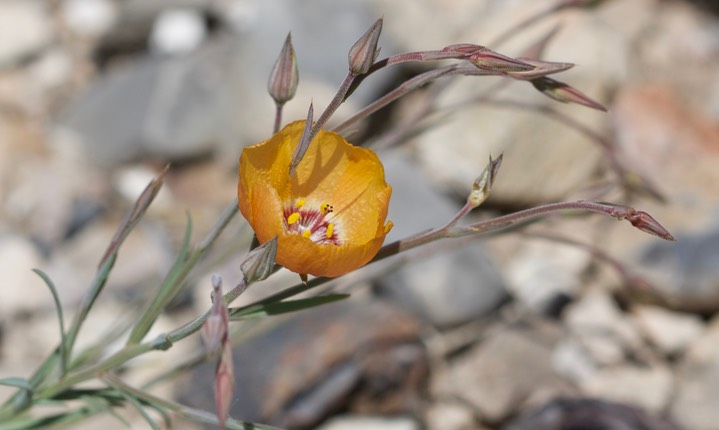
(576, 322)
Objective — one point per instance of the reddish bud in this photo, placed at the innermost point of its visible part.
(224, 384)
(646, 223)
(364, 52)
(463, 48)
(564, 93)
(284, 76)
(541, 69)
(215, 328)
(487, 59)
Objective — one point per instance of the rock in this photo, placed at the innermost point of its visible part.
(450, 416)
(21, 290)
(178, 31)
(456, 285)
(601, 329)
(360, 356)
(89, 18)
(496, 376)
(369, 423)
(568, 414)
(649, 388)
(23, 30)
(544, 273)
(678, 147)
(169, 108)
(670, 331)
(698, 382)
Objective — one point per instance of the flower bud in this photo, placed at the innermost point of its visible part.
(564, 93)
(284, 76)
(483, 184)
(364, 52)
(260, 262)
(215, 328)
(487, 59)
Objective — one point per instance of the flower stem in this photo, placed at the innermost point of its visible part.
(278, 117)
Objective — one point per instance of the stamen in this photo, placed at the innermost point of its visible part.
(293, 218)
(330, 230)
(306, 234)
(300, 203)
(326, 208)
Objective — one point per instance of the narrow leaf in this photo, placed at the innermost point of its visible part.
(61, 319)
(16, 382)
(304, 141)
(284, 307)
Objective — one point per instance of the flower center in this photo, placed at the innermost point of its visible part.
(312, 222)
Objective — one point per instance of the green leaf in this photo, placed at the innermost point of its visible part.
(16, 382)
(61, 319)
(284, 307)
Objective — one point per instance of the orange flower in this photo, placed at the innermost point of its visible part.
(329, 216)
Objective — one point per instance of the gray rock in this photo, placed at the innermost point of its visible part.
(601, 329)
(459, 283)
(669, 331)
(697, 388)
(358, 355)
(171, 108)
(542, 272)
(568, 414)
(498, 375)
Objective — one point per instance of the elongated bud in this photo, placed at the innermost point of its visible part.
(541, 69)
(487, 59)
(284, 76)
(260, 262)
(364, 52)
(304, 141)
(215, 328)
(483, 184)
(646, 223)
(564, 93)
(224, 384)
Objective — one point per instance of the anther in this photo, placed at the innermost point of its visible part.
(306, 234)
(299, 203)
(330, 230)
(293, 218)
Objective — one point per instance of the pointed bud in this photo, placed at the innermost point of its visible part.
(364, 52)
(483, 184)
(304, 140)
(224, 384)
(541, 69)
(464, 48)
(564, 93)
(284, 76)
(646, 223)
(215, 328)
(260, 262)
(487, 59)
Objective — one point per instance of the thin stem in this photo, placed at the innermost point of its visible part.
(175, 280)
(111, 363)
(278, 117)
(196, 324)
(336, 102)
(405, 88)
